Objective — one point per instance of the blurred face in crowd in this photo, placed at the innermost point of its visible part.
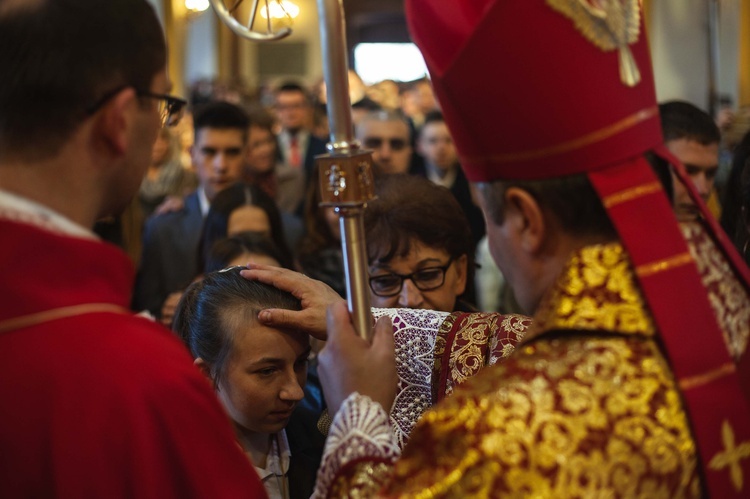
(160, 151)
(218, 158)
(436, 145)
(441, 279)
(248, 218)
(261, 155)
(265, 375)
(425, 97)
(292, 109)
(389, 142)
(701, 163)
(126, 180)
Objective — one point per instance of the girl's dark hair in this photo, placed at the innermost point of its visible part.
(318, 235)
(212, 309)
(217, 220)
(571, 200)
(225, 250)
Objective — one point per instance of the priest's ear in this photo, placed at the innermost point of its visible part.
(205, 369)
(114, 120)
(526, 217)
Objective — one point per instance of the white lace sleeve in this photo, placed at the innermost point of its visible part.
(414, 333)
(360, 430)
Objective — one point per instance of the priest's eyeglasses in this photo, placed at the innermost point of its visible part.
(425, 279)
(171, 108)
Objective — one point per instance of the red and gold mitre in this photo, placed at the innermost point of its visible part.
(537, 89)
(528, 90)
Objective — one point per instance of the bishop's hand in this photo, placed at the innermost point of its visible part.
(315, 297)
(350, 364)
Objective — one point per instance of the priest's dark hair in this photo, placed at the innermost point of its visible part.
(62, 58)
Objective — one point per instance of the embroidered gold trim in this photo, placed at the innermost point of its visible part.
(708, 377)
(650, 269)
(631, 194)
(610, 25)
(57, 313)
(731, 456)
(577, 143)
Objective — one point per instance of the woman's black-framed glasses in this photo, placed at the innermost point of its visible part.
(171, 108)
(426, 279)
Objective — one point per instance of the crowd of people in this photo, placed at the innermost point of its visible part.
(597, 349)
(264, 156)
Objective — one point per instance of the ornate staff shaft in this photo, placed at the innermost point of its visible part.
(345, 172)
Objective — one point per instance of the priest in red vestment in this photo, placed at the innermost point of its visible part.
(95, 401)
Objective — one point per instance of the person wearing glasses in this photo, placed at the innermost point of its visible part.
(387, 135)
(169, 260)
(96, 402)
(419, 246)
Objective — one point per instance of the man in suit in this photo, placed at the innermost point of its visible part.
(170, 242)
(297, 146)
(436, 146)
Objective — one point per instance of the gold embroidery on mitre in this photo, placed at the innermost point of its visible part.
(610, 25)
(731, 456)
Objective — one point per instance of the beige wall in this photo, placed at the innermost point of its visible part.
(677, 31)
(201, 47)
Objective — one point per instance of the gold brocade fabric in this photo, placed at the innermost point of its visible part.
(587, 408)
(468, 342)
(729, 299)
(367, 479)
(596, 291)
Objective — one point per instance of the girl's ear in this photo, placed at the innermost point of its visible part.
(204, 368)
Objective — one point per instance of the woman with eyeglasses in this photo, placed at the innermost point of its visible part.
(419, 246)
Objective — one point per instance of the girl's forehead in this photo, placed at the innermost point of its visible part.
(252, 338)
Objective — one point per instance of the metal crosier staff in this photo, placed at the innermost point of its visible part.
(345, 173)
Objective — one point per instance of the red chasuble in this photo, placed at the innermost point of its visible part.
(97, 402)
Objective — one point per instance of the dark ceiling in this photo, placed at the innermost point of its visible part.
(375, 21)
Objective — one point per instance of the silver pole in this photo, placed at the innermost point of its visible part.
(343, 145)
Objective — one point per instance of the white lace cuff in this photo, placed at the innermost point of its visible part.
(360, 430)
(414, 334)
